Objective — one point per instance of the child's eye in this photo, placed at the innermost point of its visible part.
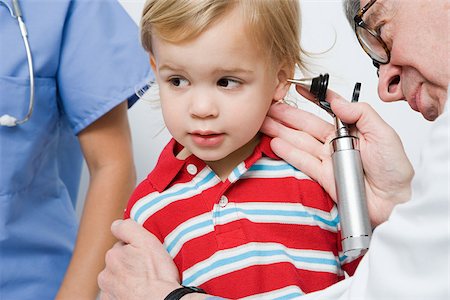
(228, 83)
(178, 81)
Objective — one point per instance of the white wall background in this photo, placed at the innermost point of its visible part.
(323, 22)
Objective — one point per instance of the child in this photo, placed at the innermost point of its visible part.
(236, 219)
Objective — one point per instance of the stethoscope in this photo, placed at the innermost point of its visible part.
(15, 11)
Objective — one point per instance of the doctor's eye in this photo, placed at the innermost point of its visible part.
(228, 83)
(378, 29)
(385, 35)
(178, 81)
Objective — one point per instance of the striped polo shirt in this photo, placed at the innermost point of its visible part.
(267, 232)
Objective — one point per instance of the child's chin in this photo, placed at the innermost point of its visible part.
(211, 158)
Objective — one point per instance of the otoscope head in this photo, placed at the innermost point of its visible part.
(318, 87)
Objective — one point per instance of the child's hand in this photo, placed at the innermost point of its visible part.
(138, 266)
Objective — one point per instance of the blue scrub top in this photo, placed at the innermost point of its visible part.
(87, 59)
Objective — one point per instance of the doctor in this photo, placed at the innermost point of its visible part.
(409, 254)
(86, 62)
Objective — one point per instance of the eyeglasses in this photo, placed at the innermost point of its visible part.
(370, 40)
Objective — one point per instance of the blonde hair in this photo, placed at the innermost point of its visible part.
(274, 24)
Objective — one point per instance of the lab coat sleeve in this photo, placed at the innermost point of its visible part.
(409, 254)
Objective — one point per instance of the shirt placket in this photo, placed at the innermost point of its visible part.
(227, 226)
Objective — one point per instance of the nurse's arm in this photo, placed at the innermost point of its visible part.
(106, 145)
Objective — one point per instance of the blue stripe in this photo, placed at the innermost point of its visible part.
(342, 258)
(256, 253)
(303, 214)
(236, 172)
(187, 230)
(224, 212)
(167, 195)
(289, 296)
(265, 212)
(259, 167)
(268, 212)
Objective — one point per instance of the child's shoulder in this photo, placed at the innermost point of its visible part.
(311, 193)
(292, 181)
(143, 189)
(155, 179)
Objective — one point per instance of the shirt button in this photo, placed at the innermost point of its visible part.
(223, 201)
(192, 169)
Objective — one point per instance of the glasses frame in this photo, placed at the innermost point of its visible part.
(360, 23)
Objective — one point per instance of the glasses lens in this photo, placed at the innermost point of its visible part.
(372, 45)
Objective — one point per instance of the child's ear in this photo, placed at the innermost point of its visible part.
(153, 63)
(283, 85)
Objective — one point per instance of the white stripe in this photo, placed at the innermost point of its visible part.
(187, 231)
(270, 168)
(344, 259)
(240, 169)
(156, 201)
(272, 212)
(193, 228)
(251, 254)
(290, 291)
(224, 215)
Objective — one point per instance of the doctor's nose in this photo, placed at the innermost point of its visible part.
(390, 83)
(203, 106)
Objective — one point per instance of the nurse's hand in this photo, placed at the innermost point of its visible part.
(302, 139)
(138, 266)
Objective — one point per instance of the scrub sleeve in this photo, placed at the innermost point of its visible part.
(87, 60)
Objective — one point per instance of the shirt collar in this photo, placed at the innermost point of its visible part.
(168, 166)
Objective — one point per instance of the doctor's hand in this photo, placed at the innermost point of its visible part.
(302, 139)
(138, 266)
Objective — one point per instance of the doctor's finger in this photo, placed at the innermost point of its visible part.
(300, 159)
(105, 284)
(364, 116)
(107, 296)
(104, 296)
(113, 260)
(301, 120)
(313, 167)
(299, 139)
(368, 122)
(130, 232)
(305, 93)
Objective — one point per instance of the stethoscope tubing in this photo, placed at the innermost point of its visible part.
(16, 13)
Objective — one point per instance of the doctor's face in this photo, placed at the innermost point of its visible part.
(417, 34)
(215, 89)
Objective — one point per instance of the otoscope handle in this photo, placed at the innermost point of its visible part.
(356, 230)
(348, 173)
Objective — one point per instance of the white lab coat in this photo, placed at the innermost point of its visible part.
(409, 254)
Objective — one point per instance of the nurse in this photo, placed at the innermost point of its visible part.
(87, 63)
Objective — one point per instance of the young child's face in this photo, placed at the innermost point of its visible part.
(216, 89)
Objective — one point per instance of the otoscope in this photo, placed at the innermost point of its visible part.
(348, 172)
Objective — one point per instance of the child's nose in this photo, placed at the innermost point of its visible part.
(203, 105)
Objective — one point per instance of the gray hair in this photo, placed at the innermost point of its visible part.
(351, 8)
